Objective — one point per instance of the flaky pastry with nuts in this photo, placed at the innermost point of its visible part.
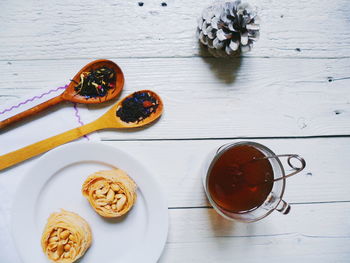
(66, 237)
(111, 193)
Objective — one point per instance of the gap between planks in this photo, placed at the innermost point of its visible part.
(166, 57)
(231, 138)
(296, 203)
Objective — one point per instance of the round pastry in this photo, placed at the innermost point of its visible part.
(111, 193)
(66, 237)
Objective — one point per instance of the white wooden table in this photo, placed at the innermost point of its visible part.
(291, 93)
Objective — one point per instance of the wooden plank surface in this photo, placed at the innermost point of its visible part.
(66, 29)
(310, 233)
(210, 98)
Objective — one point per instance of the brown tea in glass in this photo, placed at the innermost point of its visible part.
(241, 179)
(245, 181)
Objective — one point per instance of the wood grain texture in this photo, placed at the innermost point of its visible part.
(177, 165)
(210, 98)
(310, 233)
(66, 29)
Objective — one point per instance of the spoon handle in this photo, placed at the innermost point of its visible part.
(35, 149)
(30, 112)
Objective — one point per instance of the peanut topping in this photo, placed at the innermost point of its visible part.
(109, 196)
(58, 243)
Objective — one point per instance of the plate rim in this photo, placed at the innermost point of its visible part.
(15, 222)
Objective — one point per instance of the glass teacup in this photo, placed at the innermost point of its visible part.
(245, 181)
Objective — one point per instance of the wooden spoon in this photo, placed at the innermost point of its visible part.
(71, 95)
(108, 120)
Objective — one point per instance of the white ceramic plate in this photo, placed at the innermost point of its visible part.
(55, 182)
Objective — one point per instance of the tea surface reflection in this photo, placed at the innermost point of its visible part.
(240, 179)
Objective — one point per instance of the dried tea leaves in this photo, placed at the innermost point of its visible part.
(137, 107)
(96, 83)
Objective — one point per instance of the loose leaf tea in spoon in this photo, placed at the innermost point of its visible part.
(137, 107)
(96, 83)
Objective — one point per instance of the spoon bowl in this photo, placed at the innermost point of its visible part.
(111, 119)
(71, 95)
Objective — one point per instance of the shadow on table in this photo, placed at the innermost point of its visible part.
(225, 69)
(225, 228)
(220, 226)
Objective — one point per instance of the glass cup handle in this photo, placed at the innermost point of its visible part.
(290, 157)
(283, 207)
(297, 169)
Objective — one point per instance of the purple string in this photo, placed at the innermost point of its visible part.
(79, 119)
(32, 99)
(77, 115)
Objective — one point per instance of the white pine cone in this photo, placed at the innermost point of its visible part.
(228, 28)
